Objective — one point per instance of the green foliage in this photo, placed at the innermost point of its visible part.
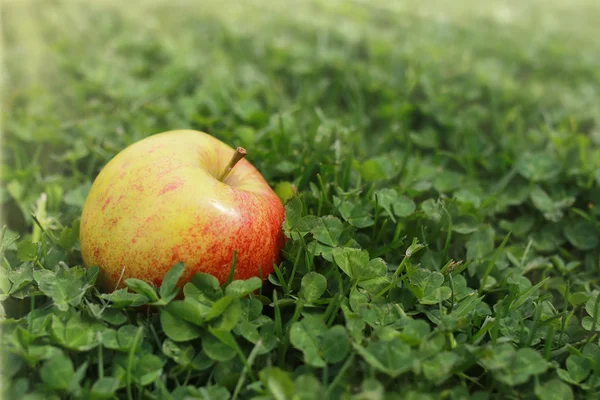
(441, 178)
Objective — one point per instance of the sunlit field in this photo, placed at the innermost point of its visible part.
(443, 235)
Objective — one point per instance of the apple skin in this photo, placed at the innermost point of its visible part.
(159, 202)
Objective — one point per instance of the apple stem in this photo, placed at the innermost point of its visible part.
(240, 153)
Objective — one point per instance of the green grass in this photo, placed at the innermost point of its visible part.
(444, 242)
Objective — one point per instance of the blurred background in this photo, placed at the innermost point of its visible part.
(369, 78)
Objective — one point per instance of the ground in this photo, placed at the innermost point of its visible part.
(444, 240)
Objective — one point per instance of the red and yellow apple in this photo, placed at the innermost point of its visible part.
(180, 196)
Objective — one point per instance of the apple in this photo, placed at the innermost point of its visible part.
(180, 196)
(285, 191)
